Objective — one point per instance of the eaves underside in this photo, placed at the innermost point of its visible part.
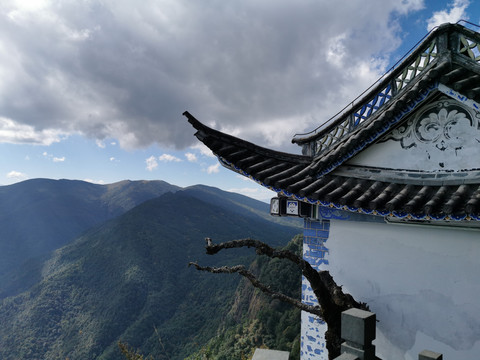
(290, 175)
(321, 176)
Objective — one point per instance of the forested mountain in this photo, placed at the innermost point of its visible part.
(41, 215)
(127, 279)
(257, 321)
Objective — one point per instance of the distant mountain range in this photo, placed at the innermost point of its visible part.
(84, 266)
(41, 215)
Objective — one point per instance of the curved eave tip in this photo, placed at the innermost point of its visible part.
(191, 119)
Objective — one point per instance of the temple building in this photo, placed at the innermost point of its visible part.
(390, 195)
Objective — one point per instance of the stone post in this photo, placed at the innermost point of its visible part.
(358, 331)
(429, 355)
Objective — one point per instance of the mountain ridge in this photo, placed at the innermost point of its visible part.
(40, 215)
(126, 279)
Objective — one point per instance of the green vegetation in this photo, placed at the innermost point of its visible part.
(256, 321)
(41, 215)
(127, 281)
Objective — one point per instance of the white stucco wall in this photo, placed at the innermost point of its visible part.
(442, 136)
(423, 157)
(423, 283)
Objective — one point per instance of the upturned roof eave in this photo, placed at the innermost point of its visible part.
(285, 175)
(317, 179)
(204, 131)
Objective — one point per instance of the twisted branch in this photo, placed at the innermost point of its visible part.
(240, 269)
(318, 285)
(333, 301)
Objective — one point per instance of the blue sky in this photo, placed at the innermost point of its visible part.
(94, 90)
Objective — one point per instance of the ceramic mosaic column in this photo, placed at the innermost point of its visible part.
(315, 251)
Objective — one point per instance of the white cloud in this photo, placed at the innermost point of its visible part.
(100, 144)
(168, 158)
(53, 158)
(205, 151)
(336, 50)
(406, 6)
(152, 163)
(457, 10)
(30, 6)
(108, 76)
(17, 175)
(112, 158)
(212, 169)
(15, 133)
(100, 182)
(191, 157)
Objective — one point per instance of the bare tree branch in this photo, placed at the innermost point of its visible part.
(333, 301)
(321, 282)
(240, 269)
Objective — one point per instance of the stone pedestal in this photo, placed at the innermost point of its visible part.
(358, 331)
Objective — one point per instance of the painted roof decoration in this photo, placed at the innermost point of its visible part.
(408, 149)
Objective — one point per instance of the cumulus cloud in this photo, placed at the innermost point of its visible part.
(17, 175)
(457, 10)
(212, 169)
(191, 157)
(99, 182)
(127, 70)
(168, 158)
(204, 151)
(16, 133)
(100, 143)
(152, 163)
(406, 6)
(53, 158)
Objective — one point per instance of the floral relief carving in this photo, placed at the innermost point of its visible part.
(440, 131)
(445, 129)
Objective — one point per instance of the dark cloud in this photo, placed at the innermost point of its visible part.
(127, 70)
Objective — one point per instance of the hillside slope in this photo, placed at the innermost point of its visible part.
(128, 280)
(240, 204)
(41, 215)
(257, 321)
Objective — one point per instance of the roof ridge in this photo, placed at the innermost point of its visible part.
(436, 47)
